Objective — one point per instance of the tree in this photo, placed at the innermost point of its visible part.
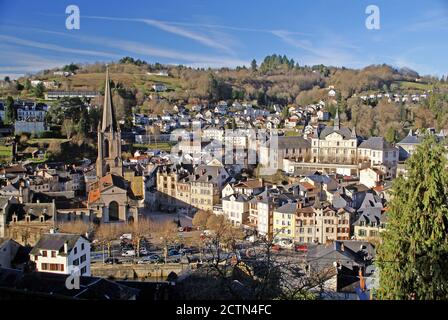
(253, 65)
(139, 231)
(106, 233)
(413, 256)
(391, 135)
(83, 124)
(7, 79)
(39, 90)
(27, 84)
(10, 110)
(68, 128)
(76, 227)
(167, 233)
(70, 67)
(200, 218)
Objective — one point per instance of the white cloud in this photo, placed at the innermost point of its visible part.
(53, 47)
(203, 39)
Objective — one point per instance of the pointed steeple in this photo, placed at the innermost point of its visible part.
(108, 123)
(336, 120)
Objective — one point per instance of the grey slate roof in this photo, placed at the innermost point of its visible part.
(344, 132)
(370, 215)
(376, 143)
(293, 143)
(289, 208)
(55, 242)
(53, 285)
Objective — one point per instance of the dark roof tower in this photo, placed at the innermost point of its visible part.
(108, 123)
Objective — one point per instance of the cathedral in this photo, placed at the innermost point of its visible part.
(111, 197)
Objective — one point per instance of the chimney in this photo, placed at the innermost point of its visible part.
(66, 247)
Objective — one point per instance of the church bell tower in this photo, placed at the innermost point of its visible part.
(109, 138)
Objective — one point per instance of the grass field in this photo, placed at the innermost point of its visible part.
(5, 153)
(406, 85)
(45, 140)
(163, 146)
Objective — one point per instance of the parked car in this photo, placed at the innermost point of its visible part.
(112, 261)
(149, 259)
(126, 236)
(301, 248)
(128, 253)
(143, 252)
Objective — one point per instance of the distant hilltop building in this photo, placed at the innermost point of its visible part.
(56, 95)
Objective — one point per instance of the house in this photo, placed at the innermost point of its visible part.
(9, 251)
(317, 223)
(377, 151)
(323, 115)
(371, 177)
(159, 87)
(276, 149)
(344, 268)
(369, 225)
(236, 208)
(62, 253)
(26, 222)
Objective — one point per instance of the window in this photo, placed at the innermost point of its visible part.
(75, 250)
(44, 266)
(82, 246)
(83, 270)
(53, 254)
(44, 253)
(76, 262)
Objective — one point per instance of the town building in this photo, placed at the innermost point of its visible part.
(62, 253)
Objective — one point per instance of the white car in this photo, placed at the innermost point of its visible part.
(126, 236)
(129, 253)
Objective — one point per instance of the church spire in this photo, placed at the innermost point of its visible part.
(336, 120)
(108, 123)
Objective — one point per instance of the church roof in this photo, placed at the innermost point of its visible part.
(108, 123)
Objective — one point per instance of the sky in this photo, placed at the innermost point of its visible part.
(225, 33)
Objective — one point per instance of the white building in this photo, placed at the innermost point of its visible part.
(236, 208)
(370, 177)
(62, 253)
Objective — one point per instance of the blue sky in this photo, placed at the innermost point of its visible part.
(213, 33)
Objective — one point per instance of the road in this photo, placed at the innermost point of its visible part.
(162, 217)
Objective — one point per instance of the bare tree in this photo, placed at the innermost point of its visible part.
(76, 227)
(106, 233)
(168, 233)
(139, 231)
(200, 218)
